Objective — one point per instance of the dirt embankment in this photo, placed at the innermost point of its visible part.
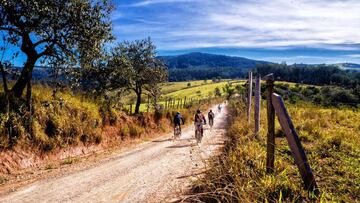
(154, 171)
(25, 163)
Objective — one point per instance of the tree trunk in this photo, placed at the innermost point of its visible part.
(24, 78)
(6, 89)
(138, 100)
(28, 96)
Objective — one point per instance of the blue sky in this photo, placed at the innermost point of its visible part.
(292, 31)
(295, 31)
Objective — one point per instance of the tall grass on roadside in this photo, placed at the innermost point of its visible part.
(68, 119)
(57, 121)
(330, 137)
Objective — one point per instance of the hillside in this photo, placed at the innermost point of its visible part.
(201, 66)
(204, 60)
(348, 66)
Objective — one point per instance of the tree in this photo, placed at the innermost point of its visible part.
(228, 90)
(217, 92)
(138, 68)
(66, 32)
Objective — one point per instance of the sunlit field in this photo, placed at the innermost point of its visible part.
(330, 137)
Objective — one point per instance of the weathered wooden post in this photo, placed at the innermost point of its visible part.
(294, 143)
(184, 102)
(270, 146)
(249, 97)
(257, 104)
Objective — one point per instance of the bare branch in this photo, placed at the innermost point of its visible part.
(47, 40)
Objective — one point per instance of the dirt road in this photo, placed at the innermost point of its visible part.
(158, 171)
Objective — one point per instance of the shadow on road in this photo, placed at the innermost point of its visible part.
(181, 146)
(163, 140)
(190, 175)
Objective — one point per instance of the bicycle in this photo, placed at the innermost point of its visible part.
(211, 123)
(198, 135)
(177, 132)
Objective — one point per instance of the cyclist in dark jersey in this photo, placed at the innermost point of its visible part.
(211, 116)
(177, 120)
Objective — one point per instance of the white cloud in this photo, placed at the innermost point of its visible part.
(150, 2)
(355, 56)
(251, 23)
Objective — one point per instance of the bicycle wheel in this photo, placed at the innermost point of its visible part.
(197, 135)
(211, 123)
(176, 132)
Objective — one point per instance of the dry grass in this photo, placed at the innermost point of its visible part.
(68, 119)
(330, 137)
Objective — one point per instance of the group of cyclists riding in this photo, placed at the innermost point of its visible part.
(199, 121)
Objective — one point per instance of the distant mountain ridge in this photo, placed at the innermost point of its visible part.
(199, 66)
(204, 60)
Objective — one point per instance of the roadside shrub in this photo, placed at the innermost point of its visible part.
(135, 131)
(124, 131)
(158, 115)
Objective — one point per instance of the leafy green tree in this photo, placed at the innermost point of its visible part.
(240, 89)
(229, 90)
(217, 92)
(138, 68)
(66, 32)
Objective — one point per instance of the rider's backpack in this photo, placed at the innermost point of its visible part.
(198, 118)
(211, 115)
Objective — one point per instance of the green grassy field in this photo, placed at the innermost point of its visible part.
(198, 89)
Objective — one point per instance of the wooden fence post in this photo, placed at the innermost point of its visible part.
(249, 97)
(184, 105)
(257, 105)
(270, 146)
(294, 143)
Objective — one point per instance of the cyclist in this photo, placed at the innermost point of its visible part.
(219, 107)
(211, 116)
(199, 121)
(177, 121)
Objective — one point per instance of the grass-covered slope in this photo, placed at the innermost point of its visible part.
(69, 119)
(331, 138)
